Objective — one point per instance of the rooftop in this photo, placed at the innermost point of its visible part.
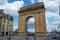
(5, 15)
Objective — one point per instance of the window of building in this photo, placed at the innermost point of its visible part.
(4, 20)
(3, 27)
(7, 27)
(0, 14)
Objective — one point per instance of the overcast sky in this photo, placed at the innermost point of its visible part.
(52, 11)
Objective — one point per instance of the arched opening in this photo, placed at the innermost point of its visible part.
(6, 33)
(31, 26)
(2, 33)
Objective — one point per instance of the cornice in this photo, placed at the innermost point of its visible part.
(32, 7)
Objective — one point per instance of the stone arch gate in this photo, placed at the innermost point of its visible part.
(38, 12)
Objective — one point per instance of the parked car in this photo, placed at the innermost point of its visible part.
(54, 36)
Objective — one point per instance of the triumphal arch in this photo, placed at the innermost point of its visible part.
(38, 12)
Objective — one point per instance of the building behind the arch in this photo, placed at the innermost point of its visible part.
(6, 24)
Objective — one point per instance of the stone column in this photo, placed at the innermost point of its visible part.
(19, 25)
(4, 33)
(43, 23)
(22, 26)
(9, 33)
(37, 24)
(40, 23)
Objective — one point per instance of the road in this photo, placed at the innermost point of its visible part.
(25, 38)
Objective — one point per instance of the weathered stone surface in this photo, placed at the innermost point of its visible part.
(38, 14)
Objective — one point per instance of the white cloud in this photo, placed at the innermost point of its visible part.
(32, 1)
(11, 12)
(40, 0)
(14, 28)
(15, 5)
(58, 1)
(51, 14)
(31, 30)
(52, 11)
(11, 8)
(31, 20)
(2, 2)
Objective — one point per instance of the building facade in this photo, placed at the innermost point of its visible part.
(6, 24)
